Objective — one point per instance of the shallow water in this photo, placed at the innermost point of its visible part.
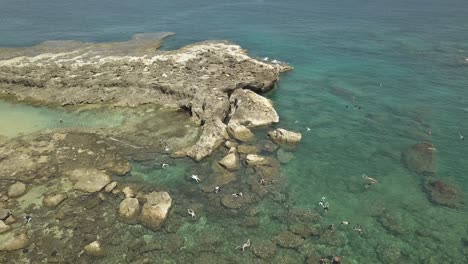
(402, 62)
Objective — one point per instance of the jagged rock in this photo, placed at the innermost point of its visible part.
(231, 161)
(251, 110)
(3, 227)
(128, 192)
(17, 189)
(285, 137)
(445, 194)
(90, 180)
(264, 249)
(110, 187)
(284, 156)
(13, 242)
(53, 200)
(247, 149)
(288, 239)
(240, 132)
(94, 249)
(129, 210)
(155, 210)
(420, 158)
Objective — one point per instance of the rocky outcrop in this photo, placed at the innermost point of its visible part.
(89, 180)
(17, 189)
(129, 210)
(53, 200)
(251, 110)
(420, 158)
(240, 132)
(231, 160)
(285, 137)
(442, 193)
(212, 80)
(155, 210)
(13, 242)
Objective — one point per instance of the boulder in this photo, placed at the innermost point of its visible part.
(53, 200)
(285, 137)
(129, 210)
(94, 249)
(110, 187)
(251, 110)
(12, 242)
(3, 227)
(442, 193)
(240, 132)
(420, 158)
(231, 161)
(17, 189)
(90, 180)
(287, 239)
(155, 210)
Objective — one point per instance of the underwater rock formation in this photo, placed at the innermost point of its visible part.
(420, 158)
(212, 80)
(442, 193)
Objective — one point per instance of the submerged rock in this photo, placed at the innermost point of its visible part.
(420, 158)
(231, 161)
(264, 249)
(129, 210)
(285, 137)
(240, 132)
(155, 210)
(17, 189)
(4, 213)
(13, 242)
(53, 200)
(288, 239)
(89, 180)
(442, 193)
(3, 227)
(284, 156)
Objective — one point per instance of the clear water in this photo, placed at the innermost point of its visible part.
(402, 61)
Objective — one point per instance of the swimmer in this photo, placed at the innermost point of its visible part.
(331, 227)
(217, 189)
(429, 133)
(325, 205)
(191, 213)
(359, 229)
(244, 246)
(164, 165)
(372, 181)
(344, 222)
(27, 218)
(336, 260)
(196, 178)
(265, 59)
(237, 194)
(308, 129)
(461, 136)
(262, 181)
(324, 260)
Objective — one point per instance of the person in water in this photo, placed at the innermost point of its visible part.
(371, 180)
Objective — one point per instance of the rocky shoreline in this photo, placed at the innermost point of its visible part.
(215, 81)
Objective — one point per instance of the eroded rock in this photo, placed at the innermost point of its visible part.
(155, 210)
(285, 137)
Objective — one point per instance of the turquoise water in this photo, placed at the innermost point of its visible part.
(402, 62)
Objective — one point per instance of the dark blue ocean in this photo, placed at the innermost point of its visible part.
(371, 78)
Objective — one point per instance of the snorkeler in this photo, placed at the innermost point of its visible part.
(371, 182)
(359, 229)
(27, 218)
(244, 246)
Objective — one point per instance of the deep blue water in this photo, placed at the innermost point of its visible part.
(403, 62)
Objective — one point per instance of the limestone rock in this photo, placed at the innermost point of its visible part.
(110, 187)
(155, 210)
(13, 242)
(128, 192)
(94, 249)
(420, 158)
(442, 193)
(129, 210)
(231, 161)
(287, 239)
(53, 200)
(17, 189)
(285, 137)
(3, 227)
(89, 180)
(240, 132)
(251, 110)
